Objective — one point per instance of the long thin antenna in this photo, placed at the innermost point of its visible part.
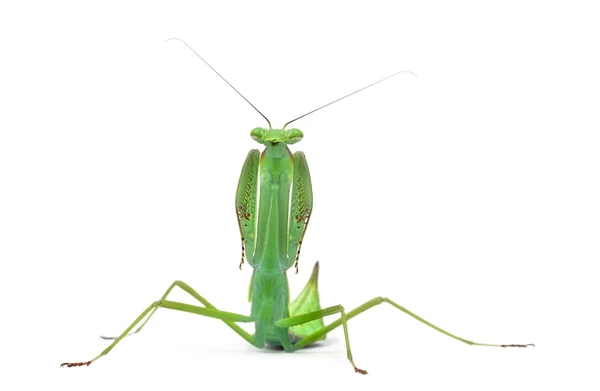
(343, 97)
(200, 57)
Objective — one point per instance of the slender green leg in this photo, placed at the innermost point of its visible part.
(304, 318)
(345, 317)
(197, 296)
(210, 312)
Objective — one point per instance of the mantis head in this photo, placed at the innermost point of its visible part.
(274, 136)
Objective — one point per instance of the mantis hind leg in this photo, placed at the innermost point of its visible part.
(358, 310)
(378, 300)
(209, 310)
(188, 289)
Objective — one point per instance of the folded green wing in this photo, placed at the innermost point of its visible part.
(307, 301)
(245, 205)
(301, 208)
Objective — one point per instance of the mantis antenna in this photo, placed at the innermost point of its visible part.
(345, 96)
(225, 80)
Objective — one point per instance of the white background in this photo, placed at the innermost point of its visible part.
(469, 194)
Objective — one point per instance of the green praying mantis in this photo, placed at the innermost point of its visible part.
(273, 204)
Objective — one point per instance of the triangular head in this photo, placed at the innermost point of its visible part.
(272, 136)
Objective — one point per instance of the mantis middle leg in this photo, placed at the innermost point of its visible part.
(228, 317)
(288, 322)
(304, 318)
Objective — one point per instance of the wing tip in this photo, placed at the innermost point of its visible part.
(315, 273)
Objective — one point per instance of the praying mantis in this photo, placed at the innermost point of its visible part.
(273, 204)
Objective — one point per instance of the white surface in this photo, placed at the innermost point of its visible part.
(469, 195)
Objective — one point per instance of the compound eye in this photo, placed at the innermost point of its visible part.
(258, 134)
(293, 136)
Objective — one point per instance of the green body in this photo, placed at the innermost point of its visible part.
(272, 233)
(273, 205)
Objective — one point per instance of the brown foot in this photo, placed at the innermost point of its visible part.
(75, 364)
(361, 371)
(518, 346)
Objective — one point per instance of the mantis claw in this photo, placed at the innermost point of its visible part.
(518, 345)
(75, 364)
